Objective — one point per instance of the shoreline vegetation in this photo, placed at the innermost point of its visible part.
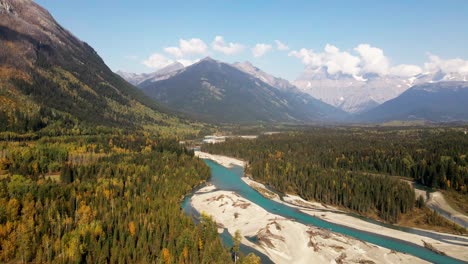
(325, 212)
(356, 168)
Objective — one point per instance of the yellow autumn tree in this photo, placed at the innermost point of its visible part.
(185, 254)
(251, 259)
(132, 228)
(166, 255)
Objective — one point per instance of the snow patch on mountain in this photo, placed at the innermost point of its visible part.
(356, 95)
(162, 74)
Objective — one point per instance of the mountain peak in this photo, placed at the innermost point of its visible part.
(175, 66)
(161, 74)
(247, 63)
(246, 66)
(208, 58)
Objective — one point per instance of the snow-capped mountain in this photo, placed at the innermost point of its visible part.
(437, 101)
(359, 94)
(161, 74)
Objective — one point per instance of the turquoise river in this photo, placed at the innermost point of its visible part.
(229, 179)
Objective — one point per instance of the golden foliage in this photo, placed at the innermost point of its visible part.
(10, 73)
(85, 213)
(166, 255)
(132, 228)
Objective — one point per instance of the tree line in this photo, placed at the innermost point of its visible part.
(348, 166)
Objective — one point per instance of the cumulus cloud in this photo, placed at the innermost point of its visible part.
(308, 57)
(227, 48)
(174, 51)
(456, 65)
(365, 59)
(373, 59)
(335, 60)
(405, 70)
(261, 49)
(187, 47)
(157, 61)
(340, 61)
(281, 46)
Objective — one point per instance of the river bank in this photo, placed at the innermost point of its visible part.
(225, 161)
(452, 245)
(333, 215)
(287, 241)
(438, 203)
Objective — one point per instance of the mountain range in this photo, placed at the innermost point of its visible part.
(220, 92)
(359, 94)
(370, 98)
(441, 101)
(50, 80)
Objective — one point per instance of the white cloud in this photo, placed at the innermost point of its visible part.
(226, 48)
(174, 51)
(335, 60)
(281, 46)
(373, 59)
(260, 49)
(456, 65)
(368, 59)
(340, 61)
(405, 70)
(186, 62)
(308, 57)
(187, 47)
(157, 61)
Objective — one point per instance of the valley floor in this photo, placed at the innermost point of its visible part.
(287, 241)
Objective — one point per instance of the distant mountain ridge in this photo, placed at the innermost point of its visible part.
(282, 101)
(360, 94)
(220, 92)
(160, 74)
(437, 102)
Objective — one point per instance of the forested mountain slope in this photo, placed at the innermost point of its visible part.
(219, 92)
(50, 78)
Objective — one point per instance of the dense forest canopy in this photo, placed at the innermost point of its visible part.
(102, 198)
(347, 166)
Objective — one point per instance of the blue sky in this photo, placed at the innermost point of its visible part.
(127, 33)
